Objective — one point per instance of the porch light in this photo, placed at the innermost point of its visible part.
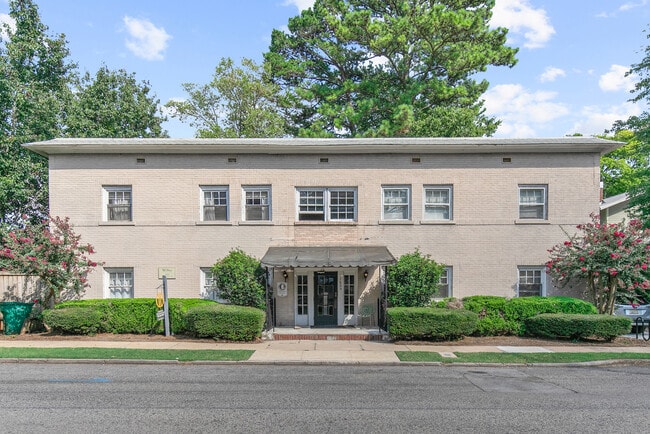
(365, 274)
(285, 275)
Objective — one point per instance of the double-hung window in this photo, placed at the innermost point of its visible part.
(444, 286)
(437, 203)
(117, 199)
(209, 289)
(327, 204)
(531, 282)
(396, 203)
(533, 202)
(257, 203)
(214, 203)
(120, 282)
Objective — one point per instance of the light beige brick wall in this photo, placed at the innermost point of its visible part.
(484, 244)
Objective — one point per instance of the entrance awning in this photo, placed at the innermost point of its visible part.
(352, 256)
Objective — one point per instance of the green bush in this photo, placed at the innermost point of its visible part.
(425, 323)
(491, 319)
(227, 322)
(577, 326)
(240, 279)
(413, 280)
(73, 320)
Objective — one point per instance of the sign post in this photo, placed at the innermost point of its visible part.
(165, 305)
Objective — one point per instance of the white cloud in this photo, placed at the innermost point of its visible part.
(520, 18)
(522, 111)
(595, 119)
(146, 40)
(300, 4)
(632, 5)
(551, 73)
(615, 80)
(6, 19)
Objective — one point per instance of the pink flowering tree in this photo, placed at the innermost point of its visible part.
(51, 251)
(612, 259)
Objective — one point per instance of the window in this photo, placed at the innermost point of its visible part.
(208, 288)
(257, 203)
(444, 287)
(348, 294)
(327, 204)
(118, 203)
(214, 203)
(120, 282)
(531, 282)
(532, 202)
(302, 294)
(437, 203)
(396, 203)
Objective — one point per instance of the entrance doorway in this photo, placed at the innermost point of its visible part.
(325, 285)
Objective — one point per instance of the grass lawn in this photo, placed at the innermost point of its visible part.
(120, 353)
(425, 356)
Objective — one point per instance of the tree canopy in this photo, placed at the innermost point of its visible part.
(388, 67)
(238, 102)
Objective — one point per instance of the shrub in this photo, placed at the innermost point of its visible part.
(73, 320)
(575, 326)
(491, 319)
(240, 278)
(228, 322)
(413, 280)
(426, 323)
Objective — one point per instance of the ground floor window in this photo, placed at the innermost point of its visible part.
(302, 294)
(444, 287)
(531, 282)
(120, 282)
(209, 289)
(348, 294)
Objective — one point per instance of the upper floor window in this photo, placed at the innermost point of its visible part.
(120, 282)
(533, 202)
(327, 204)
(444, 286)
(257, 203)
(396, 203)
(117, 200)
(437, 203)
(214, 206)
(531, 282)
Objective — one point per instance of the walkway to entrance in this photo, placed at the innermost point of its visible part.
(327, 334)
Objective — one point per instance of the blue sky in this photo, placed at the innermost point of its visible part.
(570, 77)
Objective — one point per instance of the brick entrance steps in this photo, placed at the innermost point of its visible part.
(326, 334)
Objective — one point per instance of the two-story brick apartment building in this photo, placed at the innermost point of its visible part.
(324, 215)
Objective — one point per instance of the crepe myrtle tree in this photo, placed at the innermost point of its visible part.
(612, 259)
(53, 252)
(240, 279)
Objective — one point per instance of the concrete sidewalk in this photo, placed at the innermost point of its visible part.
(317, 352)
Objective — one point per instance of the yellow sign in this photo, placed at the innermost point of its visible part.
(160, 301)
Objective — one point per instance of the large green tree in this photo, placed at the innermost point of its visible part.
(621, 170)
(113, 104)
(34, 79)
(238, 102)
(388, 67)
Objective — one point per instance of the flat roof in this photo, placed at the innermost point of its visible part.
(401, 145)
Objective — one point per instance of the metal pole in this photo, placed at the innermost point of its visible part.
(166, 305)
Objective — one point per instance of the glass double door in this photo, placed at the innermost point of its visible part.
(325, 302)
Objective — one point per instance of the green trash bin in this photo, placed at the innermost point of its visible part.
(14, 314)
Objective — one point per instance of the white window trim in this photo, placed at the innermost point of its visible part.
(327, 205)
(544, 189)
(408, 203)
(107, 279)
(106, 189)
(206, 188)
(255, 188)
(450, 204)
(533, 268)
(450, 281)
(212, 295)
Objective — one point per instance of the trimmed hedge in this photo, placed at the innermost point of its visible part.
(136, 315)
(426, 323)
(73, 320)
(228, 322)
(577, 326)
(500, 316)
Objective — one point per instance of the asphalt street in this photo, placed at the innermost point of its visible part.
(75, 398)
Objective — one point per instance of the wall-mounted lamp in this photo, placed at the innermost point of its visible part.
(365, 274)
(285, 275)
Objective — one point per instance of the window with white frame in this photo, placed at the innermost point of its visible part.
(437, 203)
(214, 203)
(302, 294)
(531, 282)
(327, 204)
(396, 203)
(533, 202)
(257, 203)
(348, 294)
(209, 289)
(118, 204)
(444, 286)
(120, 282)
